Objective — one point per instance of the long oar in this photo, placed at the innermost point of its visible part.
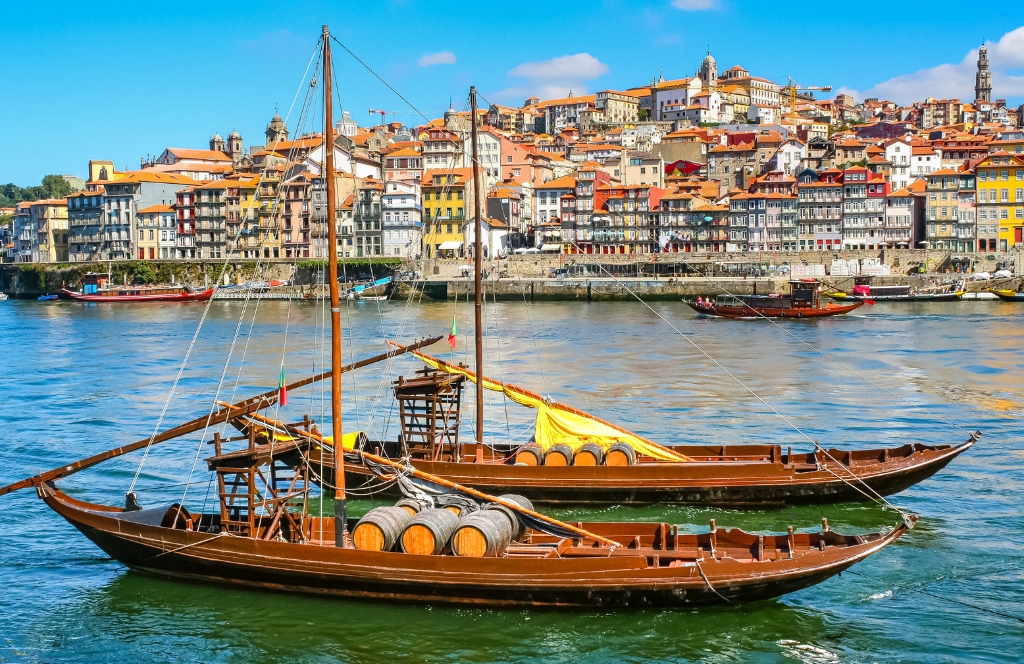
(240, 409)
(442, 482)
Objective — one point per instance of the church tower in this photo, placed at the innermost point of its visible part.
(276, 130)
(983, 80)
(709, 73)
(217, 143)
(234, 147)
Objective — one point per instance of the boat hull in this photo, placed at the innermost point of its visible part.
(201, 296)
(733, 311)
(922, 297)
(615, 581)
(1008, 295)
(725, 483)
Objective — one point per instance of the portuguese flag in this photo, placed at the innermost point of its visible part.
(451, 335)
(282, 399)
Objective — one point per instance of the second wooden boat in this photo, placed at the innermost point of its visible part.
(803, 301)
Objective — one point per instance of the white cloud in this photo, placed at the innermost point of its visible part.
(957, 80)
(582, 66)
(554, 78)
(694, 5)
(440, 58)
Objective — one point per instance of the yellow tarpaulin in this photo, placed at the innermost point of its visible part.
(348, 440)
(557, 425)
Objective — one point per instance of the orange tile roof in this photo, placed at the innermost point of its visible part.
(149, 176)
(564, 182)
(153, 209)
(188, 153)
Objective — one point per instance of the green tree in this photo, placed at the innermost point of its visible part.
(56, 186)
(52, 186)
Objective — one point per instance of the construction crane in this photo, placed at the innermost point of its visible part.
(384, 113)
(793, 86)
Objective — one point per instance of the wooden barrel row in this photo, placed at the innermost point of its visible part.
(589, 454)
(432, 531)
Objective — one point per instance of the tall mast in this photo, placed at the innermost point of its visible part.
(340, 511)
(477, 268)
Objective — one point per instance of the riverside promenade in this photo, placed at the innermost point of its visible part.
(578, 277)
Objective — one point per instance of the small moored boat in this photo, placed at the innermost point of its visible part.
(1007, 295)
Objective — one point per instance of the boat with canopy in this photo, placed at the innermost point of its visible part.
(444, 542)
(803, 301)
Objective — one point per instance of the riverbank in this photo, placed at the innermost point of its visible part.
(537, 276)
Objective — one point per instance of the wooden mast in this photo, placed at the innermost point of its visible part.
(477, 268)
(340, 511)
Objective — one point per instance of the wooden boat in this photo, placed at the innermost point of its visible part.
(711, 475)
(653, 565)
(264, 536)
(142, 294)
(803, 301)
(1007, 295)
(44, 298)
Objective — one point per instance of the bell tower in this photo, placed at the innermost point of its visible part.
(983, 79)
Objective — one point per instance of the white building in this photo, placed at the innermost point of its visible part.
(669, 99)
(924, 160)
(898, 153)
(401, 219)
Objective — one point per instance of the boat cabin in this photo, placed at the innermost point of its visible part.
(803, 294)
(93, 282)
(862, 286)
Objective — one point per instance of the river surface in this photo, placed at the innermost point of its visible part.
(78, 379)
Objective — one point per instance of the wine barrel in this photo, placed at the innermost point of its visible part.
(482, 534)
(620, 454)
(558, 455)
(428, 532)
(518, 530)
(410, 505)
(530, 454)
(589, 454)
(379, 528)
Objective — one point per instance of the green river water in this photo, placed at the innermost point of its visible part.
(77, 379)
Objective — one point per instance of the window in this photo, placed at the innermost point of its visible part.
(508, 159)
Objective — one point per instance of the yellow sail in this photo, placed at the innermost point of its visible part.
(558, 424)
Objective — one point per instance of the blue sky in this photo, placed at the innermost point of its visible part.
(118, 80)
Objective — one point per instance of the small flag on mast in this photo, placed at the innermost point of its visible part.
(282, 398)
(451, 335)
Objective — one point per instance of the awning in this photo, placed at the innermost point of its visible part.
(551, 247)
(454, 244)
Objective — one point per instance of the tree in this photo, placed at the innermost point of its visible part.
(52, 186)
(56, 186)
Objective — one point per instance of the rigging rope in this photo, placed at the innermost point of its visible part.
(209, 303)
(837, 362)
(879, 499)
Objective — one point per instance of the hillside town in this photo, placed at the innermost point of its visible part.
(714, 162)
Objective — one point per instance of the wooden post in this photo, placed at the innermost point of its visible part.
(477, 268)
(327, 172)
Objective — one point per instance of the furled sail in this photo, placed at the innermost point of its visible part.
(560, 424)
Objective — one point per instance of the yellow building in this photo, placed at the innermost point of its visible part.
(50, 219)
(447, 197)
(245, 238)
(1001, 196)
(157, 230)
(102, 170)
